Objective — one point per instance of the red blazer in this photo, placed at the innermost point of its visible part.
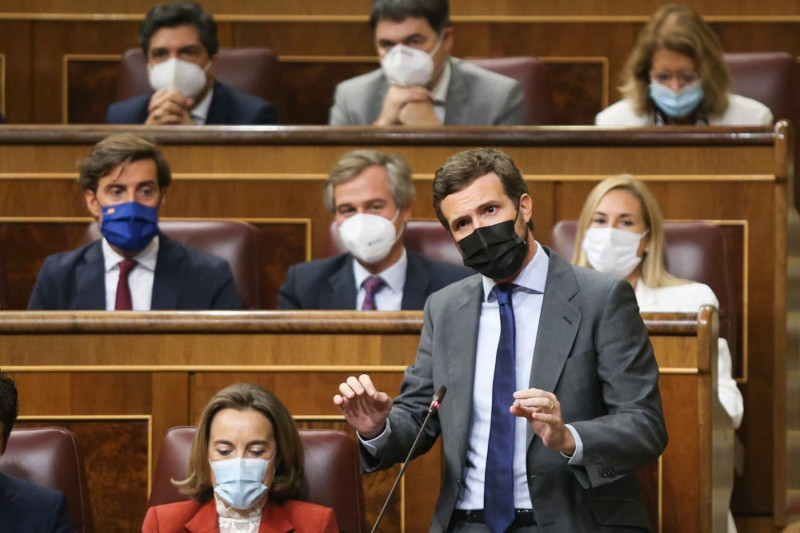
(296, 516)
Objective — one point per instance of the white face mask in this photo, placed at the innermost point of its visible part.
(612, 250)
(186, 77)
(369, 237)
(406, 66)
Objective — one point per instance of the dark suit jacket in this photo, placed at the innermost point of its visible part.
(228, 106)
(330, 284)
(32, 508)
(291, 516)
(592, 351)
(185, 279)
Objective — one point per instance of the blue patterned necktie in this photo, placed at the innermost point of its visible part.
(371, 285)
(498, 497)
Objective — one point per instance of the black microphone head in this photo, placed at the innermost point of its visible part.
(440, 392)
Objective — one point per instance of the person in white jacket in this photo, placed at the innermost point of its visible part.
(620, 232)
(676, 74)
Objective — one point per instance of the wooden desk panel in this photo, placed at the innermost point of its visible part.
(118, 374)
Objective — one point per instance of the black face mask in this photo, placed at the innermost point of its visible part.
(495, 251)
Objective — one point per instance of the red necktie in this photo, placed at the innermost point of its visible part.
(371, 286)
(123, 302)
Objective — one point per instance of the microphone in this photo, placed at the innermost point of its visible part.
(434, 406)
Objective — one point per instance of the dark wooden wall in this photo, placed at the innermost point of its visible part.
(61, 57)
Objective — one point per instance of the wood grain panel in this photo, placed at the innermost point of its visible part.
(360, 8)
(90, 87)
(116, 460)
(18, 57)
(578, 90)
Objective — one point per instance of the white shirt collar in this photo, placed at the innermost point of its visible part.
(394, 276)
(532, 278)
(146, 258)
(440, 89)
(200, 111)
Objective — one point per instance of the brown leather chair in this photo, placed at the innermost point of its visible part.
(332, 472)
(693, 250)
(426, 237)
(233, 241)
(532, 75)
(769, 77)
(51, 457)
(772, 78)
(252, 70)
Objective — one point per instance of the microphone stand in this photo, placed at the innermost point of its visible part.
(437, 398)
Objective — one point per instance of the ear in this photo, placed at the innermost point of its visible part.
(405, 213)
(92, 204)
(448, 38)
(526, 207)
(212, 70)
(644, 246)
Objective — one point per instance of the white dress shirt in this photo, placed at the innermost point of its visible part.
(688, 298)
(440, 93)
(390, 297)
(199, 112)
(140, 279)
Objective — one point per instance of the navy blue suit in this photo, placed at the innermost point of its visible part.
(330, 283)
(228, 106)
(185, 279)
(29, 508)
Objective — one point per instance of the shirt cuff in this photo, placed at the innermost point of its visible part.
(577, 458)
(374, 445)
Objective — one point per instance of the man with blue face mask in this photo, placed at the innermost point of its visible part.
(370, 194)
(179, 41)
(419, 83)
(133, 267)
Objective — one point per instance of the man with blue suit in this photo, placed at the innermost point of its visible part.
(133, 267)
(370, 194)
(23, 505)
(180, 43)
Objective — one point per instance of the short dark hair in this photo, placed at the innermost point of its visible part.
(9, 406)
(436, 12)
(179, 14)
(117, 149)
(463, 168)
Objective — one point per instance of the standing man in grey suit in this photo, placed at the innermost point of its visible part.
(370, 194)
(553, 397)
(419, 84)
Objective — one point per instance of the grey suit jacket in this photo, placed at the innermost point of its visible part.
(475, 97)
(592, 351)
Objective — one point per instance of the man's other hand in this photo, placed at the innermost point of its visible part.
(363, 406)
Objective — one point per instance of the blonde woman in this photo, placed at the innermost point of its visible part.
(620, 232)
(245, 470)
(676, 74)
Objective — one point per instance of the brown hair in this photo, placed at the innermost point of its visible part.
(289, 456)
(353, 164)
(121, 149)
(653, 273)
(682, 30)
(463, 168)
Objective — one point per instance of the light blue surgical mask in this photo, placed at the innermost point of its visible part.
(240, 481)
(679, 103)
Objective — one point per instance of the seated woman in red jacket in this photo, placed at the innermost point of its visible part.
(246, 466)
